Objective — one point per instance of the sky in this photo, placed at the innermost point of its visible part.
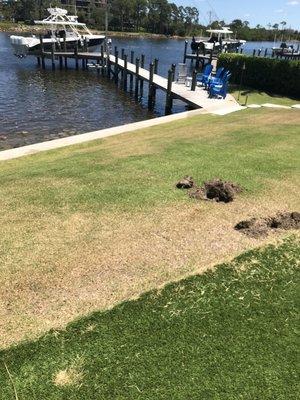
(256, 12)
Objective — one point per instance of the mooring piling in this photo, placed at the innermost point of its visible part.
(169, 99)
(194, 80)
(151, 87)
(137, 70)
(116, 67)
(42, 52)
(76, 56)
(185, 51)
(125, 72)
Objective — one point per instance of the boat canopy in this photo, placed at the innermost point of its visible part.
(58, 16)
(217, 31)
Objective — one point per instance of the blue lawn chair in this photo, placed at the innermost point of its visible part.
(220, 89)
(204, 77)
(218, 77)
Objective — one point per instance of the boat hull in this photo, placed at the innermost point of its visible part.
(24, 46)
(216, 46)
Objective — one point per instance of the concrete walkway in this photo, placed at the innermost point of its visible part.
(86, 137)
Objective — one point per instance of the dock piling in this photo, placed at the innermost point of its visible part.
(125, 73)
(173, 71)
(52, 57)
(169, 99)
(185, 51)
(131, 75)
(137, 71)
(194, 80)
(76, 56)
(116, 68)
(42, 52)
(151, 92)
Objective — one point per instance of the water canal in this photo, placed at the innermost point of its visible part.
(37, 105)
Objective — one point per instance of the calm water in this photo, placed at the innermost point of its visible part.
(38, 105)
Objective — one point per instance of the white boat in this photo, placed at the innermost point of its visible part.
(62, 30)
(219, 40)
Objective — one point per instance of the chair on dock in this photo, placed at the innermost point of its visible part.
(220, 89)
(182, 73)
(221, 72)
(204, 77)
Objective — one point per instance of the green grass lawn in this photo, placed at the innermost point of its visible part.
(228, 334)
(260, 97)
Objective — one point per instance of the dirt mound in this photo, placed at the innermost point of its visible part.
(187, 182)
(217, 190)
(256, 227)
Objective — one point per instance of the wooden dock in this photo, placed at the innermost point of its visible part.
(131, 75)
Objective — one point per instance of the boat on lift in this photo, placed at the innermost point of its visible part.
(63, 30)
(219, 40)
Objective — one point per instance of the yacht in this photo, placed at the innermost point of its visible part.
(63, 30)
(219, 40)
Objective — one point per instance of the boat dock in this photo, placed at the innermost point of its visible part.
(132, 74)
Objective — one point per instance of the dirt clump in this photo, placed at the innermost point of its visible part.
(187, 182)
(217, 190)
(256, 227)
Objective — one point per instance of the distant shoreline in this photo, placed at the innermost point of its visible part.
(22, 28)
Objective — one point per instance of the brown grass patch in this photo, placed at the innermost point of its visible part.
(70, 267)
(70, 376)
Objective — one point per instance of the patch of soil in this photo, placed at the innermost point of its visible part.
(256, 227)
(187, 182)
(217, 190)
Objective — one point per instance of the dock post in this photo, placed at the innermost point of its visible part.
(131, 75)
(185, 51)
(151, 87)
(137, 70)
(155, 72)
(142, 80)
(241, 50)
(125, 73)
(122, 54)
(42, 51)
(168, 108)
(259, 52)
(85, 45)
(38, 61)
(194, 80)
(156, 65)
(60, 62)
(173, 71)
(52, 57)
(108, 67)
(116, 68)
(76, 56)
(266, 52)
(65, 44)
(197, 58)
(83, 63)
(102, 60)
(254, 52)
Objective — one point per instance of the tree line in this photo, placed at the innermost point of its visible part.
(153, 16)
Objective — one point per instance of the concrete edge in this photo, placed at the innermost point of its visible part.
(89, 136)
